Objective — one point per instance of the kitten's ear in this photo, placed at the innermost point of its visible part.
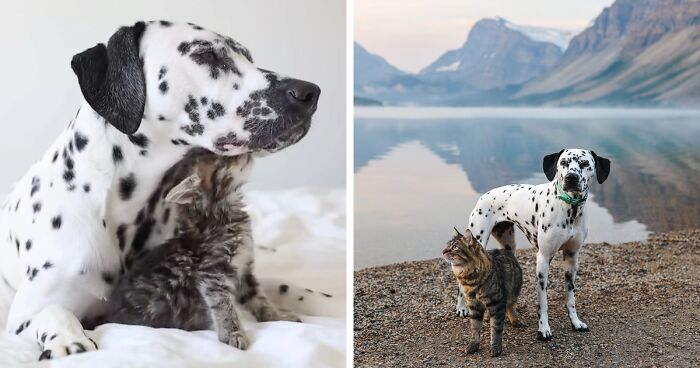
(549, 165)
(457, 232)
(187, 191)
(602, 167)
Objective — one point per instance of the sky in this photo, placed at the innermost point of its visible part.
(411, 34)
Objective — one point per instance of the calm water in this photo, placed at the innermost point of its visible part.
(419, 171)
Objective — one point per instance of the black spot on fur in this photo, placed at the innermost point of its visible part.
(56, 222)
(117, 155)
(80, 141)
(139, 140)
(127, 185)
(163, 87)
(28, 244)
(284, 288)
(121, 236)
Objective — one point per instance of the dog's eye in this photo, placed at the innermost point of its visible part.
(584, 163)
(209, 56)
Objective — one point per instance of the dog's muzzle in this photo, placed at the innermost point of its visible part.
(572, 182)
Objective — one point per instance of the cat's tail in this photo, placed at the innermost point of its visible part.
(306, 301)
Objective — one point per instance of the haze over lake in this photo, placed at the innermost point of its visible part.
(419, 171)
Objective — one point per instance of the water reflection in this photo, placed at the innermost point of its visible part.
(414, 178)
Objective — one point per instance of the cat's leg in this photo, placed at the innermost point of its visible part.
(220, 300)
(476, 314)
(544, 333)
(497, 321)
(570, 268)
(461, 308)
(252, 298)
(513, 317)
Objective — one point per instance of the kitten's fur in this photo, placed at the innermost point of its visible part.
(192, 281)
(490, 281)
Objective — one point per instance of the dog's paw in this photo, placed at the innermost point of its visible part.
(462, 311)
(544, 335)
(288, 316)
(272, 314)
(236, 339)
(473, 348)
(579, 327)
(63, 345)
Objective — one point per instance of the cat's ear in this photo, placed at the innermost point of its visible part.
(457, 232)
(187, 191)
(469, 238)
(549, 165)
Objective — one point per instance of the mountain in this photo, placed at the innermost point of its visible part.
(636, 52)
(498, 53)
(370, 68)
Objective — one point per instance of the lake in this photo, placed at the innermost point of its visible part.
(419, 171)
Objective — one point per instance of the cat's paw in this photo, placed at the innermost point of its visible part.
(473, 348)
(62, 345)
(518, 324)
(237, 340)
(496, 350)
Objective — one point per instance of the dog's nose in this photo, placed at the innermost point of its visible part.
(571, 178)
(302, 95)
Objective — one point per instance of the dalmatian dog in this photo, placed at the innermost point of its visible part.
(154, 91)
(551, 216)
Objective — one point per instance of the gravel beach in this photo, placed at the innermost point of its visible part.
(640, 300)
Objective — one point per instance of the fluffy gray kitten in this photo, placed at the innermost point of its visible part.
(191, 282)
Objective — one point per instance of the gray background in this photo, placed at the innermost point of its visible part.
(302, 38)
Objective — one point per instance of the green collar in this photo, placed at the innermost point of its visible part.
(564, 196)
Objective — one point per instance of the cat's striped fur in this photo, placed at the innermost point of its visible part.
(192, 281)
(491, 281)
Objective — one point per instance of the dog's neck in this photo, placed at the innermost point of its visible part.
(125, 153)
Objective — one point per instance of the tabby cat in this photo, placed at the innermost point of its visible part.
(491, 281)
(191, 282)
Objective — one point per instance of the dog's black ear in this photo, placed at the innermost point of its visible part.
(549, 165)
(111, 78)
(602, 167)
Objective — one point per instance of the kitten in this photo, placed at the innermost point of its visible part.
(191, 282)
(491, 281)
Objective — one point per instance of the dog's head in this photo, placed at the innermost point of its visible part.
(575, 168)
(192, 84)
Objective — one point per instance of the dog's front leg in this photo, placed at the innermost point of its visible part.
(544, 333)
(38, 313)
(461, 307)
(570, 268)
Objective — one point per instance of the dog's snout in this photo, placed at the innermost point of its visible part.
(302, 95)
(571, 178)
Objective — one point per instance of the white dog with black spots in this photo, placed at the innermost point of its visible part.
(551, 216)
(154, 91)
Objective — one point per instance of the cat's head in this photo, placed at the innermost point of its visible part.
(212, 188)
(464, 250)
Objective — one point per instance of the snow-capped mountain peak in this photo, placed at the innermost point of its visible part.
(559, 37)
